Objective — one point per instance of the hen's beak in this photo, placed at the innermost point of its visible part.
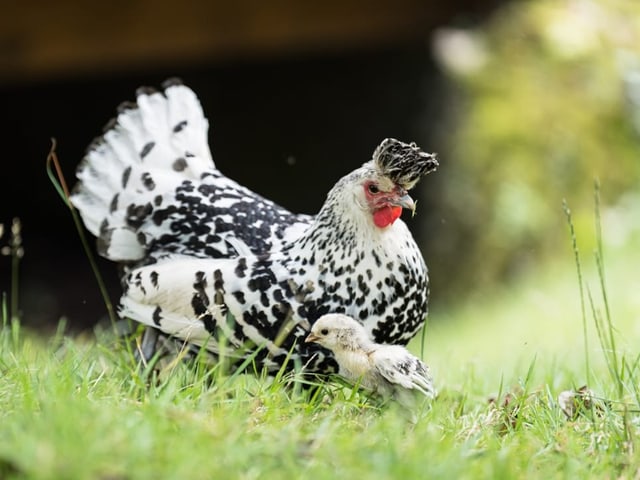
(405, 201)
(311, 338)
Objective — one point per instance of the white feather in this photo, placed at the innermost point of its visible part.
(116, 161)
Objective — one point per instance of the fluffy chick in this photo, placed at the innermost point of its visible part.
(387, 370)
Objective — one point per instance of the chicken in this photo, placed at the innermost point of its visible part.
(209, 262)
(387, 370)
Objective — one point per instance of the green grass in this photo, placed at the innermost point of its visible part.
(80, 408)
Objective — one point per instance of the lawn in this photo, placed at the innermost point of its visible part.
(80, 408)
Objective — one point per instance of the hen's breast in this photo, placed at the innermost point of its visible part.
(383, 284)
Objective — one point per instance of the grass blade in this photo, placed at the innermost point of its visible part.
(599, 256)
(576, 254)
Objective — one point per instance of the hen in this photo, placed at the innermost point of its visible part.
(214, 264)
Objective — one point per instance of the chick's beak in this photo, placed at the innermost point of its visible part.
(311, 338)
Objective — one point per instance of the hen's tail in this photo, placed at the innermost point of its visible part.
(152, 146)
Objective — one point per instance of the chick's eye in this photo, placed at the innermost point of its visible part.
(373, 188)
(324, 331)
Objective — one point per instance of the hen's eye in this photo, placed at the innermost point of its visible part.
(324, 331)
(373, 188)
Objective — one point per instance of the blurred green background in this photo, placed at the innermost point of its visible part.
(544, 99)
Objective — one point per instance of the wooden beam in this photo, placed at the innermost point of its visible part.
(42, 38)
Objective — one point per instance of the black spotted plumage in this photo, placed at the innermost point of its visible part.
(206, 259)
(403, 163)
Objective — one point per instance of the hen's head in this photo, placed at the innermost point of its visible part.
(380, 187)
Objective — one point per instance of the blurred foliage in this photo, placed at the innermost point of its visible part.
(546, 99)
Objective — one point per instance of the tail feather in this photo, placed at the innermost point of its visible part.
(150, 148)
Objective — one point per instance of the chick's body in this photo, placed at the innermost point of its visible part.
(390, 371)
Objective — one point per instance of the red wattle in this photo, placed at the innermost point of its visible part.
(386, 216)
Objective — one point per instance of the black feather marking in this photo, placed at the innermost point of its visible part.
(114, 203)
(145, 91)
(241, 268)
(198, 305)
(157, 315)
(103, 241)
(179, 126)
(109, 125)
(125, 176)
(137, 280)
(218, 282)
(209, 323)
(146, 149)
(147, 181)
(136, 214)
(160, 215)
(124, 106)
(171, 82)
(94, 145)
(239, 296)
(200, 286)
(376, 258)
(154, 278)
(179, 165)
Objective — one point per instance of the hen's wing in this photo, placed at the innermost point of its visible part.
(254, 304)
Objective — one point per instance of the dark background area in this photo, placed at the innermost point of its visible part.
(287, 123)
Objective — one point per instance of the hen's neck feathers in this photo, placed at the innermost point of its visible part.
(345, 223)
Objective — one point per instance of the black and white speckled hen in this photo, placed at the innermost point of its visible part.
(210, 262)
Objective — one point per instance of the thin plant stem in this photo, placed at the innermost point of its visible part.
(576, 254)
(15, 279)
(5, 315)
(58, 181)
(599, 256)
(605, 343)
(15, 251)
(423, 337)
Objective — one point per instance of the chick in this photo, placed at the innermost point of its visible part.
(387, 370)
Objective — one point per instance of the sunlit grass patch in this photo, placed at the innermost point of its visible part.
(85, 407)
